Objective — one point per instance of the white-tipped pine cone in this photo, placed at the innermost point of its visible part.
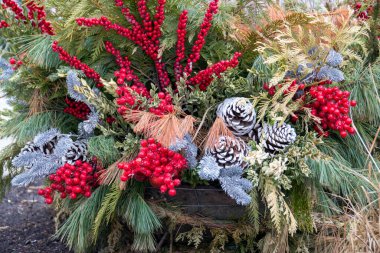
(48, 147)
(77, 151)
(238, 114)
(29, 148)
(273, 138)
(229, 152)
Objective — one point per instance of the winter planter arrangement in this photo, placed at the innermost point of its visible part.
(148, 141)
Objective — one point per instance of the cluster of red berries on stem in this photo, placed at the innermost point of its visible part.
(3, 24)
(332, 106)
(180, 47)
(205, 77)
(34, 11)
(15, 8)
(15, 64)
(77, 108)
(360, 13)
(272, 90)
(201, 38)
(76, 63)
(71, 180)
(125, 73)
(146, 36)
(159, 165)
(43, 25)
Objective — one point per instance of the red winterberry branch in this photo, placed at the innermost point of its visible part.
(17, 10)
(125, 72)
(159, 20)
(3, 24)
(76, 63)
(77, 108)
(205, 77)
(199, 43)
(33, 10)
(180, 50)
(145, 16)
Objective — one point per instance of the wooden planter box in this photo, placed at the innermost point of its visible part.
(207, 201)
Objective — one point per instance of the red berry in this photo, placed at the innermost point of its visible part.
(343, 134)
(12, 61)
(48, 201)
(163, 188)
(41, 192)
(172, 192)
(353, 103)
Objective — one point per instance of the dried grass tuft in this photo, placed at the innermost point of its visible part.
(217, 130)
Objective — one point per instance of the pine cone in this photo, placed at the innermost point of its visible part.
(48, 147)
(238, 114)
(255, 132)
(77, 151)
(229, 152)
(273, 138)
(30, 147)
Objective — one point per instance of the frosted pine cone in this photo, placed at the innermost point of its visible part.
(30, 147)
(48, 147)
(77, 151)
(255, 132)
(273, 138)
(238, 114)
(229, 152)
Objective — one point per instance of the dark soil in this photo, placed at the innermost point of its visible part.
(27, 224)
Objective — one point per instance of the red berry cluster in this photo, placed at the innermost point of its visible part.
(165, 106)
(43, 25)
(77, 108)
(34, 11)
(199, 43)
(180, 48)
(110, 120)
(17, 10)
(272, 90)
(146, 36)
(205, 77)
(15, 64)
(3, 24)
(159, 165)
(125, 73)
(127, 100)
(76, 63)
(363, 14)
(331, 105)
(71, 180)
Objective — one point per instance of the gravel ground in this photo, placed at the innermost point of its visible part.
(26, 224)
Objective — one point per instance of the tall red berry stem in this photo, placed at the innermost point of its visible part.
(125, 64)
(201, 38)
(180, 48)
(33, 10)
(205, 77)
(76, 63)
